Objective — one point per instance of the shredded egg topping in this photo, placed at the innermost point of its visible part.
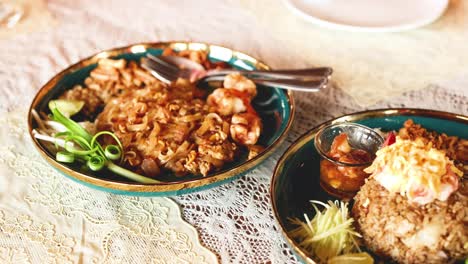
(415, 170)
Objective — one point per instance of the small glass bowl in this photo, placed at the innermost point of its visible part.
(340, 178)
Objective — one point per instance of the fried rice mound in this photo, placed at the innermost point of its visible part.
(408, 233)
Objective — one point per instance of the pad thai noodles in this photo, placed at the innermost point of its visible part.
(176, 127)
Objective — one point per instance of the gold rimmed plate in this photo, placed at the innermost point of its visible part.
(275, 107)
(296, 178)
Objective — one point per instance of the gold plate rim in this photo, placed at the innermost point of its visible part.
(160, 188)
(352, 117)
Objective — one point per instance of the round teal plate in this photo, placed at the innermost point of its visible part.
(296, 177)
(275, 107)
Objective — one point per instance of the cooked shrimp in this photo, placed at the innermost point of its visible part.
(150, 167)
(240, 83)
(423, 195)
(245, 128)
(227, 103)
(340, 146)
(449, 184)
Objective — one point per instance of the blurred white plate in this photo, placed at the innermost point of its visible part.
(369, 15)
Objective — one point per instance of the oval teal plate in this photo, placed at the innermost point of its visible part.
(275, 107)
(296, 180)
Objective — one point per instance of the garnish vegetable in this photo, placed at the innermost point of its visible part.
(78, 144)
(330, 233)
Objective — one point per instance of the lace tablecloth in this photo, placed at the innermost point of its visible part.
(46, 218)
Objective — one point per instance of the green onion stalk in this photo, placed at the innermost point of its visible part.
(91, 152)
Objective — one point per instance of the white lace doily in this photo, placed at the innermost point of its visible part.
(47, 218)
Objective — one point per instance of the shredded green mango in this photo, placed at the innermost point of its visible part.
(329, 234)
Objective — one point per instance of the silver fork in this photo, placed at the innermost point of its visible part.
(166, 69)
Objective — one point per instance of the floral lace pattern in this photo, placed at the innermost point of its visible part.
(10, 255)
(122, 229)
(58, 246)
